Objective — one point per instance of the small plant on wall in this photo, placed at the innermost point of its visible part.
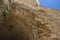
(5, 13)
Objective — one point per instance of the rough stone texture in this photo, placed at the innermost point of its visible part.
(32, 20)
(45, 15)
(39, 23)
(50, 16)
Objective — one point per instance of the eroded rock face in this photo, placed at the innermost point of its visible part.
(42, 22)
(26, 23)
(22, 24)
(13, 27)
(32, 21)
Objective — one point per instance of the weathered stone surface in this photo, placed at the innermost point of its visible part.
(29, 21)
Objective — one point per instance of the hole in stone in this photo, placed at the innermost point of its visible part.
(11, 26)
(21, 32)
